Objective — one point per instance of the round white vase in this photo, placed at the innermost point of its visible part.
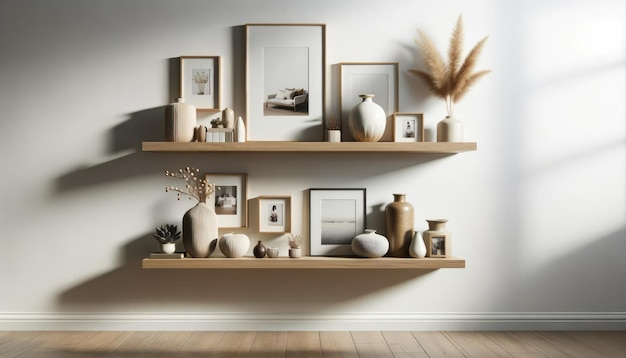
(370, 244)
(450, 129)
(417, 248)
(180, 121)
(367, 120)
(234, 245)
(199, 229)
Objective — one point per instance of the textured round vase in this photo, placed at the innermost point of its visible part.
(370, 244)
(199, 229)
(399, 223)
(417, 248)
(437, 239)
(234, 245)
(450, 129)
(367, 120)
(259, 250)
(180, 121)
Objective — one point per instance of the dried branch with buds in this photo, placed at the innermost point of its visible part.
(195, 187)
(294, 241)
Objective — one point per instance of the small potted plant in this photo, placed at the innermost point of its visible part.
(218, 123)
(333, 130)
(167, 235)
(294, 246)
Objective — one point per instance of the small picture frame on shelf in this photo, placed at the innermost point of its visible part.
(336, 216)
(408, 127)
(200, 81)
(438, 246)
(229, 200)
(274, 214)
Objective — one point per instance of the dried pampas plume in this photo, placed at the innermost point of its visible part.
(453, 80)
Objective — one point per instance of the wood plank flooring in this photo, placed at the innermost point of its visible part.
(357, 344)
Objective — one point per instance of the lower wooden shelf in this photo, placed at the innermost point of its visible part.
(307, 262)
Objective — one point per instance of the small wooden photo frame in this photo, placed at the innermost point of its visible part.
(438, 246)
(200, 81)
(408, 127)
(274, 214)
(229, 201)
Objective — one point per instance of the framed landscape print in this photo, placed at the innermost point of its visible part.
(274, 214)
(377, 78)
(285, 67)
(408, 127)
(229, 201)
(336, 217)
(200, 81)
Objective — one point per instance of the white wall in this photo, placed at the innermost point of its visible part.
(538, 212)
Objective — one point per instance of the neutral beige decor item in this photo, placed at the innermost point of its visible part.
(294, 242)
(417, 248)
(180, 121)
(449, 81)
(370, 244)
(234, 245)
(399, 223)
(228, 118)
(437, 239)
(367, 120)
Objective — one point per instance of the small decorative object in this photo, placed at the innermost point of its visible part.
(218, 123)
(234, 245)
(294, 246)
(408, 127)
(399, 223)
(200, 222)
(219, 135)
(367, 120)
(201, 133)
(437, 239)
(228, 118)
(333, 131)
(272, 252)
(240, 130)
(167, 235)
(450, 81)
(417, 248)
(259, 250)
(274, 214)
(370, 244)
(180, 121)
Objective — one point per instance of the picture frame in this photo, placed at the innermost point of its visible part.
(438, 246)
(377, 78)
(229, 200)
(336, 216)
(408, 127)
(285, 82)
(274, 214)
(200, 81)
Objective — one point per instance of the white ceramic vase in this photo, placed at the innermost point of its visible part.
(417, 248)
(180, 121)
(240, 130)
(234, 245)
(167, 248)
(367, 120)
(370, 244)
(199, 229)
(450, 129)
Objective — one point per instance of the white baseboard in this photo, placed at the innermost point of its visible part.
(311, 321)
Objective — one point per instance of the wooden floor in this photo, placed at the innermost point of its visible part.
(312, 344)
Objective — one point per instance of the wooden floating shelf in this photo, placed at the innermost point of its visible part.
(311, 147)
(306, 262)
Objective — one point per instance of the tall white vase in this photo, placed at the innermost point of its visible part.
(367, 120)
(240, 130)
(450, 129)
(180, 121)
(199, 230)
(417, 248)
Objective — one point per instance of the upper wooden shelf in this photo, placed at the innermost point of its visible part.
(306, 262)
(311, 147)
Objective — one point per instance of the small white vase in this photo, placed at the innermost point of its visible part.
(333, 135)
(450, 129)
(295, 253)
(234, 245)
(168, 248)
(228, 116)
(370, 244)
(240, 130)
(367, 120)
(417, 248)
(180, 121)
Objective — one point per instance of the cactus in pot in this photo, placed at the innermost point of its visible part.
(167, 235)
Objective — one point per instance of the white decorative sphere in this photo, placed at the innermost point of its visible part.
(370, 244)
(234, 245)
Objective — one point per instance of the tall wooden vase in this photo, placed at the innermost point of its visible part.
(199, 229)
(399, 217)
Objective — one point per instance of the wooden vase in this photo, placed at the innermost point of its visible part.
(399, 217)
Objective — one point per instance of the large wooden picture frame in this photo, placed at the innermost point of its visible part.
(336, 217)
(230, 199)
(200, 81)
(285, 81)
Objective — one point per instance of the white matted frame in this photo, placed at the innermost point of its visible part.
(377, 78)
(336, 217)
(200, 81)
(408, 127)
(229, 201)
(282, 57)
(274, 214)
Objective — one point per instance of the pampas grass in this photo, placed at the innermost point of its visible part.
(453, 80)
